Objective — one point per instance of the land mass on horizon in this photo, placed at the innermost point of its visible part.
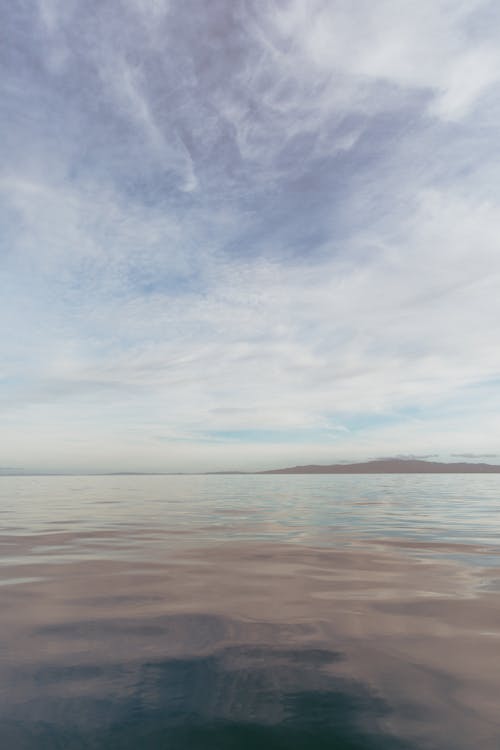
(375, 466)
(392, 466)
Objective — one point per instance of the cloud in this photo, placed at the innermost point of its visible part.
(475, 455)
(257, 224)
(429, 47)
(408, 456)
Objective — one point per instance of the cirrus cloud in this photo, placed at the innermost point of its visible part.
(243, 233)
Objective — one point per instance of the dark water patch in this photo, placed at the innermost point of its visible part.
(245, 697)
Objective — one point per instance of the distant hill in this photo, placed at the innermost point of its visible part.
(392, 466)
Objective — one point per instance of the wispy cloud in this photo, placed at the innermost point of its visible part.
(240, 233)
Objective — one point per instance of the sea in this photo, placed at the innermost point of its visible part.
(250, 611)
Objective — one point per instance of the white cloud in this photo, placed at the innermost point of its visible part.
(126, 84)
(425, 45)
(411, 328)
(164, 306)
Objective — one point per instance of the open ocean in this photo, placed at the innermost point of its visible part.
(217, 612)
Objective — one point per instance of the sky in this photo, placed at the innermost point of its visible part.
(245, 234)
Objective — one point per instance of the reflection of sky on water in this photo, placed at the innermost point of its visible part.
(241, 611)
(322, 510)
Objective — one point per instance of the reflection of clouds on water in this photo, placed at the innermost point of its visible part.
(237, 696)
(228, 612)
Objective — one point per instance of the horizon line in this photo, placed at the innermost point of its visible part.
(306, 469)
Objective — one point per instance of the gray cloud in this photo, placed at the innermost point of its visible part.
(420, 457)
(475, 455)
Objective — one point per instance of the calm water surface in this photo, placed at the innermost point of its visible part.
(215, 612)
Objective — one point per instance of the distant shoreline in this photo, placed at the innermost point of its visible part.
(393, 466)
(378, 466)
